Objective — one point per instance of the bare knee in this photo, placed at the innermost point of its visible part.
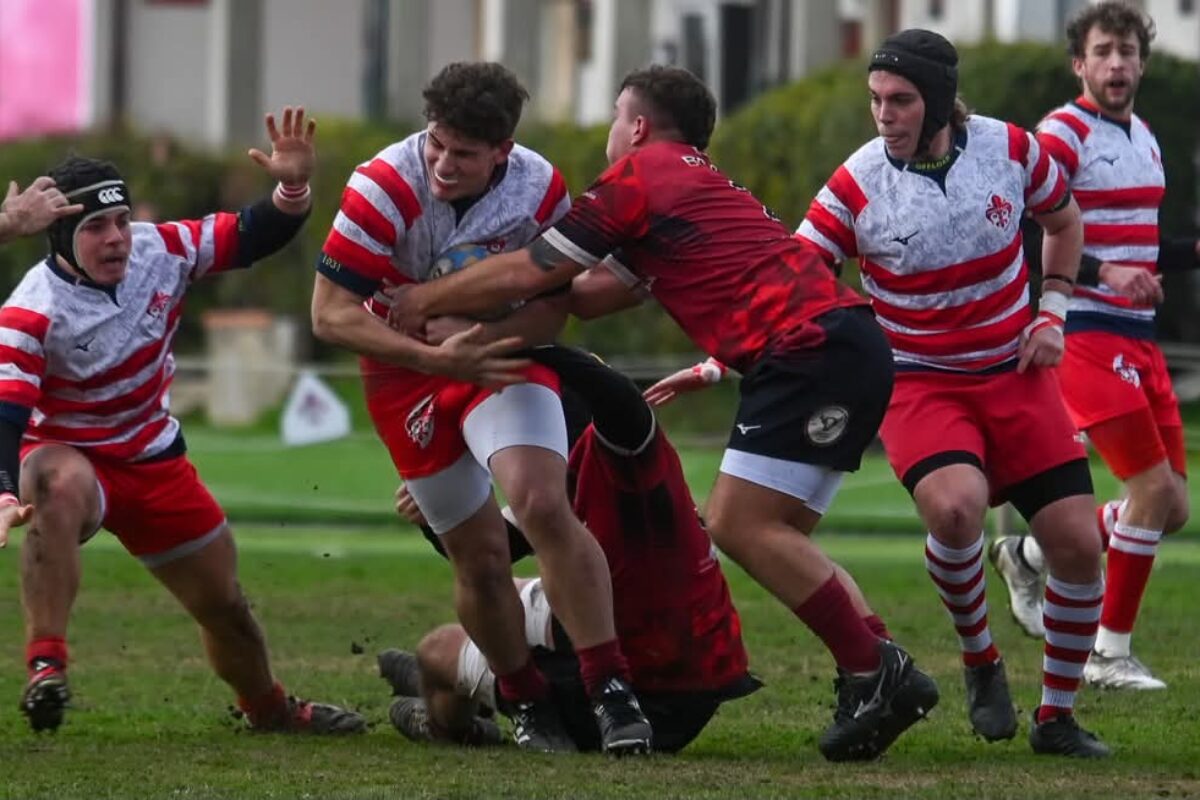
(541, 508)
(437, 656)
(61, 485)
(954, 515)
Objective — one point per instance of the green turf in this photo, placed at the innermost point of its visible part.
(151, 721)
(352, 481)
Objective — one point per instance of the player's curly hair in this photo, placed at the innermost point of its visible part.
(479, 99)
(677, 99)
(77, 171)
(1112, 17)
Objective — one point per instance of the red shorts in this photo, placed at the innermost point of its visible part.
(1105, 376)
(419, 417)
(1015, 424)
(159, 510)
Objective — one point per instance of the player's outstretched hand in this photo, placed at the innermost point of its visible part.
(687, 380)
(406, 506)
(13, 516)
(466, 357)
(1142, 288)
(293, 155)
(33, 210)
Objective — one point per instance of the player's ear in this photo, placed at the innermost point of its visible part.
(641, 129)
(503, 150)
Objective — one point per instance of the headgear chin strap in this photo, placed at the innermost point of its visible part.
(98, 198)
(931, 63)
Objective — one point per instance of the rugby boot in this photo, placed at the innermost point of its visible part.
(1025, 587)
(410, 716)
(304, 716)
(1062, 736)
(624, 729)
(1119, 672)
(46, 695)
(538, 727)
(400, 670)
(989, 705)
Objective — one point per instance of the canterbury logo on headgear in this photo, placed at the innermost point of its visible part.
(100, 195)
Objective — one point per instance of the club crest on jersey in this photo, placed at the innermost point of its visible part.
(999, 211)
(1126, 372)
(419, 423)
(827, 425)
(495, 246)
(158, 304)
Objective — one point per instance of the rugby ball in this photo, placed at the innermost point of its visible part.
(460, 257)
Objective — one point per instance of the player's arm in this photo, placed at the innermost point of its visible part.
(338, 317)
(494, 282)
(608, 288)
(614, 210)
(33, 210)
(536, 322)
(1042, 341)
(13, 513)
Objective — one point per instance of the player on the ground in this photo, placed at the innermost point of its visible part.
(673, 611)
(932, 210)
(86, 437)
(663, 220)
(462, 184)
(1114, 377)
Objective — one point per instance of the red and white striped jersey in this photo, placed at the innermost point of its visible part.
(940, 251)
(1115, 171)
(390, 229)
(91, 366)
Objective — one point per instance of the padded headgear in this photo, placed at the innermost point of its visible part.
(931, 63)
(98, 186)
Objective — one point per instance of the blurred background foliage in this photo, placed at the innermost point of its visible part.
(783, 147)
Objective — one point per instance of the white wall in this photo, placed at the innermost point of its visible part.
(1178, 34)
(313, 54)
(168, 69)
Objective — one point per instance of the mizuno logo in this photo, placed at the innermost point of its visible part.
(904, 240)
(1110, 160)
(744, 429)
(85, 345)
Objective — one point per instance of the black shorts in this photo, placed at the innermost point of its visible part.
(823, 405)
(676, 717)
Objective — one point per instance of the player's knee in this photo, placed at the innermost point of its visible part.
(437, 656)
(1074, 553)
(541, 508)
(58, 482)
(955, 515)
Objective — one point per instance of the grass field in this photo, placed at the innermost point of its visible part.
(149, 719)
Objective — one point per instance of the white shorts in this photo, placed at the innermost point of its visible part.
(814, 485)
(475, 678)
(528, 415)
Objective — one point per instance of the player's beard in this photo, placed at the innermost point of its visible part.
(1100, 91)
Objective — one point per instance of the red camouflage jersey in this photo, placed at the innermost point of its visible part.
(721, 264)
(674, 616)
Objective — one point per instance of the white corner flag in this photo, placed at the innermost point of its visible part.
(313, 413)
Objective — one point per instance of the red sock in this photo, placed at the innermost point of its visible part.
(1131, 555)
(266, 710)
(831, 616)
(47, 649)
(878, 627)
(524, 684)
(600, 662)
